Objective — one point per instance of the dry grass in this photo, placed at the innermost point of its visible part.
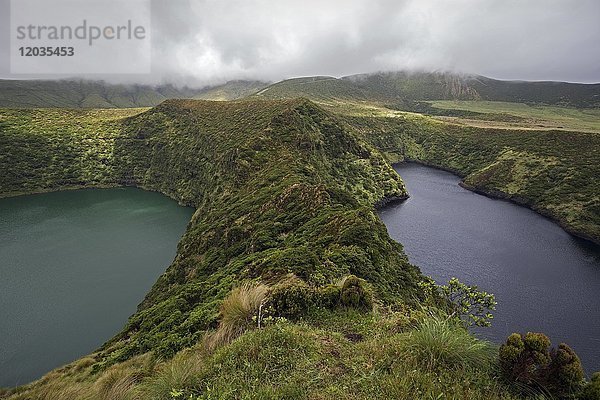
(237, 312)
(116, 384)
(179, 373)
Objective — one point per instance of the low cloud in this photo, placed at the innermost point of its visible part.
(203, 42)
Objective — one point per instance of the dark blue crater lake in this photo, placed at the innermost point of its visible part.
(73, 267)
(544, 279)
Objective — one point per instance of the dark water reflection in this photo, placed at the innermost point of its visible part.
(544, 279)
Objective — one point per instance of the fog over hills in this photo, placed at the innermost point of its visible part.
(198, 43)
(387, 87)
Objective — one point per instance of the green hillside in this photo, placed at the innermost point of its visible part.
(448, 86)
(553, 172)
(286, 283)
(397, 89)
(401, 89)
(231, 90)
(318, 88)
(96, 94)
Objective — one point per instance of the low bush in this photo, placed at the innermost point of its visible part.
(294, 298)
(591, 391)
(356, 294)
(529, 360)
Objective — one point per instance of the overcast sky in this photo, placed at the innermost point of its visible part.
(202, 42)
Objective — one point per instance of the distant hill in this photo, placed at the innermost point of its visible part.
(316, 88)
(231, 90)
(446, 86)
(394, 87)
(398, 89)
(96, 94)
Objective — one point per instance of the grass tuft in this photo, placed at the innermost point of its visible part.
(441, 343)
(176, 374)
(237, 312)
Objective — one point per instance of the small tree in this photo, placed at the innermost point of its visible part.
(467, 303)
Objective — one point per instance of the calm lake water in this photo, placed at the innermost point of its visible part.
(544, 279)
(73, 267)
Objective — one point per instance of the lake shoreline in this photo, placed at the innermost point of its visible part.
(545, 279)
(60, 254)
(500, 195)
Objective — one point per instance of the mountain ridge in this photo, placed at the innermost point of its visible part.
(382, 87)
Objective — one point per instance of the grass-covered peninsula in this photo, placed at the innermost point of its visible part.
(286, 284)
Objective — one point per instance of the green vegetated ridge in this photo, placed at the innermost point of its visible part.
(285, 194)
(403, 88)
(98, 94)
(280, 188)
(501, 149)
(553, 172)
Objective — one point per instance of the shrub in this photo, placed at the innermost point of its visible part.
(355, 294)
(566, 373)
(238, 312)
(440, 343)
(292, 299)
(468, 303)
(591, 391)
(328, 296)
(528, 360)
(521, 358)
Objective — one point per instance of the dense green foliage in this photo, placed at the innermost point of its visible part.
(553, 172)
(280, 188)
(285, 194)
(528, 359)
(591, 390)
(50, 149)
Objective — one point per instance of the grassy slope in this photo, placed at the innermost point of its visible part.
(317, 88)
(536, 117)
(447, 86)
(232, 90)
(331, 355)
(280, 187)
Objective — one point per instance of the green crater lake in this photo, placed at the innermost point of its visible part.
(74, 265)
